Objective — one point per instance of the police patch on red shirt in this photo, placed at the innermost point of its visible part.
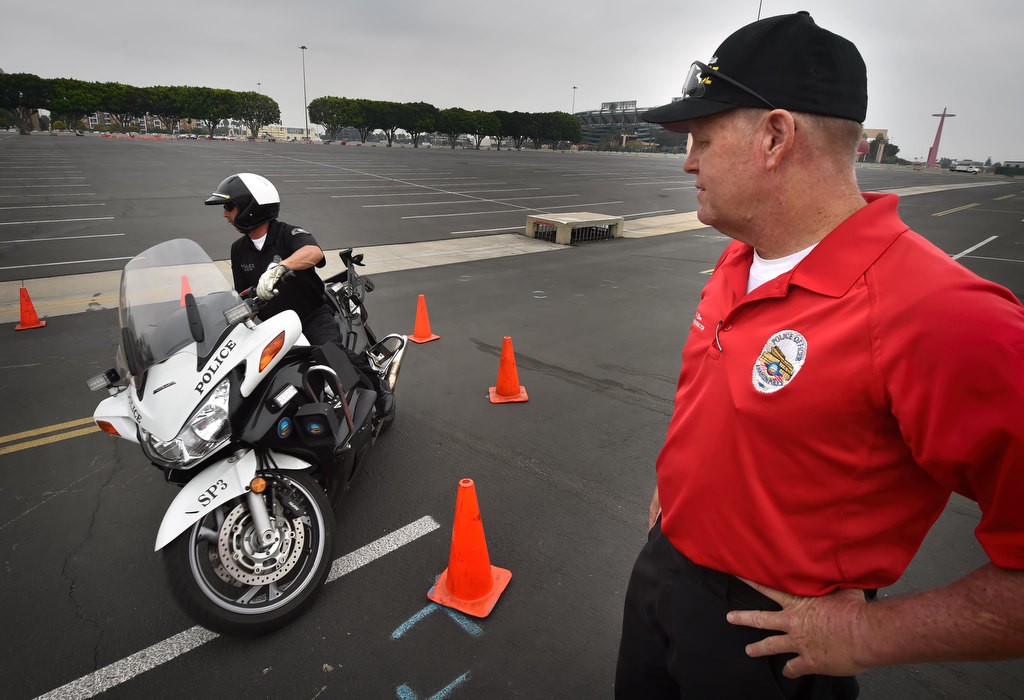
(780, 360)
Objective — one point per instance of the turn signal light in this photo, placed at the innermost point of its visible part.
(107, 427)
(270, 352)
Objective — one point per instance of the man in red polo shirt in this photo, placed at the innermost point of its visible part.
(841, 378)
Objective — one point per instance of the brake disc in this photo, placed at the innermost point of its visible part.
(245, 560)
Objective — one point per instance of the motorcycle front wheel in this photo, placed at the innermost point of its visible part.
(228, 580)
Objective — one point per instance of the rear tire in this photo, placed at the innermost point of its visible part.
(228, 584)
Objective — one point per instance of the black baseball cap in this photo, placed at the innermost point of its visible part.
(785, 62)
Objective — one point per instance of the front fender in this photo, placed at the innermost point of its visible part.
(216, 484)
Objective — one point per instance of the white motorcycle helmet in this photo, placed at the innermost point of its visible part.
(254, 195)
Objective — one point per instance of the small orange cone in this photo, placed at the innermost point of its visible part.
(508, 389)
(470, 584)
(421, 333)
(185, 289)
(29, 319)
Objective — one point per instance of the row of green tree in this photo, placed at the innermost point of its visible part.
(420, 118)
(70, 101)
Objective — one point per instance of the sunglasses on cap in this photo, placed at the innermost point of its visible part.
(229, 206)
(701, 75)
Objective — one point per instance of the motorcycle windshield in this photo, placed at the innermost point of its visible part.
(154, 320)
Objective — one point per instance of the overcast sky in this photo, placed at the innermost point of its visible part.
(922, 55)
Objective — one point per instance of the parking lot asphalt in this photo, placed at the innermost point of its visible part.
(563, 480)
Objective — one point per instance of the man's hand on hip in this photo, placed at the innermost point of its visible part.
(820, 631)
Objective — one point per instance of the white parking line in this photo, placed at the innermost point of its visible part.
(392, 194)
(1004, 260)
(54, 206)
(648, 213)
(63, 238)
(975, 247)
(56, 221)
(512, 189)
(521, 210)
(160, 653)
(655, 182)
(518, 210)
(536, 196)
(62, 194)
(68, 262)
(486, 230)
(22, 179)
(956, 209)
(419, 204)
(590, 204)
(15, 187)
(465, 201)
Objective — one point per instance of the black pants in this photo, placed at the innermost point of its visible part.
(677, 644)
(319, 327)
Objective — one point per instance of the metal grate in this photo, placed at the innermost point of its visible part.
(581, 234)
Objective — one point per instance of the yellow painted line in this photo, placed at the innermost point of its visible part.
(953, 211)
(47, 429)
(707, 272)
(47, 440)
(1005, 196)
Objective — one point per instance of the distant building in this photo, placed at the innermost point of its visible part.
(284, 133)
(615, 117)
(871, 135)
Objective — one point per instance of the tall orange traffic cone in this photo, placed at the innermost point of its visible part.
(421, 332)
(508, 389)
(29, 318)
(470, 584)
(185, 289)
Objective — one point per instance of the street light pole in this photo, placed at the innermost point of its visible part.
(305, 104)
(258, 87)
(573, 99)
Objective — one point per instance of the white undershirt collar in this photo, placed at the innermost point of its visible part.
(762, 270)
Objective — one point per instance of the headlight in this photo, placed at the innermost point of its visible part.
(204, 433)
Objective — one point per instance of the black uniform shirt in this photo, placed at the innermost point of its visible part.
(303, 293)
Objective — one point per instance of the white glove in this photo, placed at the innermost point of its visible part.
(269, 279)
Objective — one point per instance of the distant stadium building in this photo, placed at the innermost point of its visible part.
(622, 118)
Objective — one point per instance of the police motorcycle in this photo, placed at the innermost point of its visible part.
(262, 432)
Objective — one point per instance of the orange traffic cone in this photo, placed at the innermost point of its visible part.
(508, 389)
(29, 319)
(185, 289)
(470, 584)
(421, 332)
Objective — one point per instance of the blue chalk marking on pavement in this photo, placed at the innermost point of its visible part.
(407, 625)
(404, 692)
(464, 622)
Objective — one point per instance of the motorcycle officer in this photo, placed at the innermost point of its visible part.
(251, 204)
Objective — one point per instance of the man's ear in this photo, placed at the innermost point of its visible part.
(779, 136)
